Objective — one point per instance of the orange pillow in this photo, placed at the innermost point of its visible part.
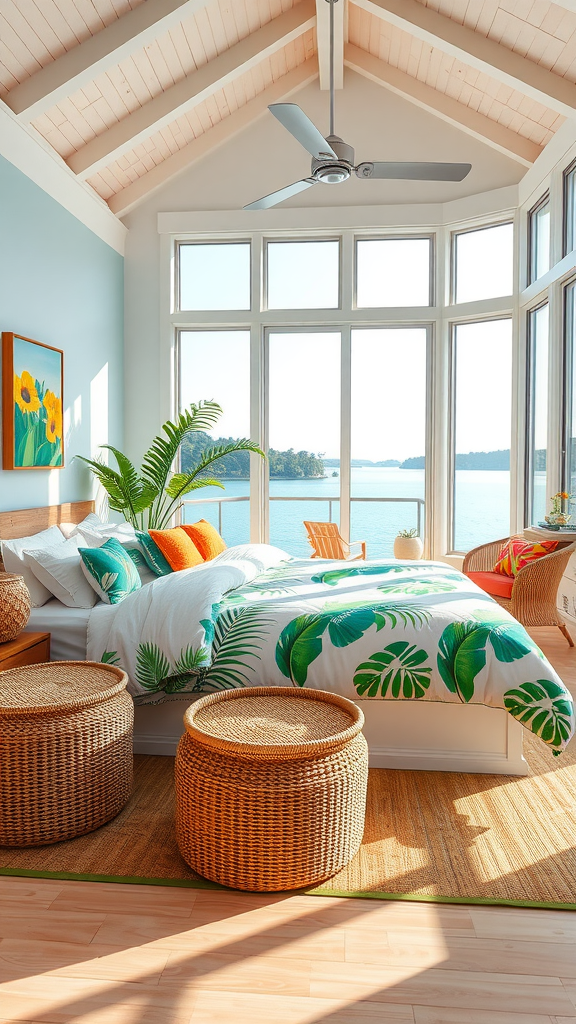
(178, 549)
(517, 552)
(206, 538)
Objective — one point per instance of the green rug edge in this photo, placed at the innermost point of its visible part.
(202, 883)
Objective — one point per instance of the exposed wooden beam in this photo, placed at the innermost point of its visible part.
(222, 132)
(478, 52)
(108, 47)
(323, 36)
(192, 90)
(445, 107)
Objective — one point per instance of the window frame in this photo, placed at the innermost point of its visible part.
(567, 173)
(176, 295)
(276, 240)
(405, 237)
(454, 235)
(532, 237)
(568, 398)
(455, 323)
(530, 407)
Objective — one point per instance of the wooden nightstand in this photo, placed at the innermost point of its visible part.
(26, 649)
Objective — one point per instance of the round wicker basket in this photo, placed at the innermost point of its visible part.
(271, 787)
(65, 750)
(14, 605)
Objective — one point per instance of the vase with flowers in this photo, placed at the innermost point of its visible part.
(559, 514)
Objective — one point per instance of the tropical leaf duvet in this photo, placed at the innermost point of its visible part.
(385, 630)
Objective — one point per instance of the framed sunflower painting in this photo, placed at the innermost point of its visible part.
(32, 393)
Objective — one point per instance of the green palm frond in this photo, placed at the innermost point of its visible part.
(182, 483)
(242, 642)
(406, 614)
(157, 462)
(191, 659)
(127, 491)
(152, 666)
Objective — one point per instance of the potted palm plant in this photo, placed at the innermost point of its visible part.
(149, 497)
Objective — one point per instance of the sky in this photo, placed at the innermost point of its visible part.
(42, 363)
(388, 391)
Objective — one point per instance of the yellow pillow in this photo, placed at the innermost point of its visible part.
(178, 549)
(206, 538)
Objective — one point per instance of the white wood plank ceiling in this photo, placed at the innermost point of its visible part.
(129, 92)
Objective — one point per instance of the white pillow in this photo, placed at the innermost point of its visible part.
(125, 534)
(13, 558)
(71, 529)
(58, 569)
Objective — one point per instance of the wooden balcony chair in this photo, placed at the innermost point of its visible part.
(327, 542)
(531, 595)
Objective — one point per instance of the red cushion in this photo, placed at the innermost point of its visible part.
(493, 583)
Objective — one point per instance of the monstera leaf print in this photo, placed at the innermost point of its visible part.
(334, 576)
(542, 706)
(275, 582)
(300, 642)
(399, 670)
(462, 650)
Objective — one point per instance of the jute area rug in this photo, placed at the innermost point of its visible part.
(429, 836)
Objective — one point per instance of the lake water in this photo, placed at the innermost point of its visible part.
(481, 501)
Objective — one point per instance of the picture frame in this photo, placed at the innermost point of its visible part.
(32, 404)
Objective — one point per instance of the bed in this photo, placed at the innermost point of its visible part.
(432, 660)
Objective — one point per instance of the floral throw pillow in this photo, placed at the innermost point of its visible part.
(517, 552)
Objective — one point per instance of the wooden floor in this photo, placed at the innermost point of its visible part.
(120, 954)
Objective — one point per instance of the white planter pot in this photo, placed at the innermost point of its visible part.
(408, 548)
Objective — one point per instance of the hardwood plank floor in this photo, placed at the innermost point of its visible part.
(100, 953)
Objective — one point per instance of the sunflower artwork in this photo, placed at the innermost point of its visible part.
(32, 387)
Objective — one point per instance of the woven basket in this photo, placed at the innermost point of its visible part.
(65, 750)
(14, 605)
(271, 787)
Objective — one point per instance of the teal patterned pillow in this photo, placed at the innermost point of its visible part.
(110, 571)
(154, 557)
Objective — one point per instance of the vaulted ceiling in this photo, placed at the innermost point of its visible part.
(130, 92)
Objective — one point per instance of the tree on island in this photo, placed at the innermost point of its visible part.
(289, 465)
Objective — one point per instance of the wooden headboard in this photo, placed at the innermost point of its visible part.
(26, 521)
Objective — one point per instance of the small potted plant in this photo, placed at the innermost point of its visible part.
(408, 545)
(559, 514)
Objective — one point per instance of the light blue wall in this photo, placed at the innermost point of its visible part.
(62, 285)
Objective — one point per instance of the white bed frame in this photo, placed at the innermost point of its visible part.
(404, 734)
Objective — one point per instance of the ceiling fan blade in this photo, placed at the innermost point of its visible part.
(414, 171)
(300, 126)
(283, 193)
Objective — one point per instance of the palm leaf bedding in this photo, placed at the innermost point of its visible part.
(383, 630)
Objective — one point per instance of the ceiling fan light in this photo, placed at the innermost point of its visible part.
(332, 174)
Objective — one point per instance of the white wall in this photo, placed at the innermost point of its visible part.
(380, 126)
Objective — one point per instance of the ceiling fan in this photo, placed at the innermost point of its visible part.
(333, 159)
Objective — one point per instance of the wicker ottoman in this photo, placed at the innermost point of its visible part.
(271, 786)
(65, 750)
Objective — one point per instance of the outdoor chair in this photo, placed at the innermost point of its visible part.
(531, 595)
(327, 542)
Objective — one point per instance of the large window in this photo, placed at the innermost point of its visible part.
(539, 239)
(537, 415)
(331, 352)
(482, 263)
(303, 432)
(203, 356)
(482, 375)
(388, 436)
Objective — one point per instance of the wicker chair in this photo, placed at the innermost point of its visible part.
(535, 588)
(327, 542)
